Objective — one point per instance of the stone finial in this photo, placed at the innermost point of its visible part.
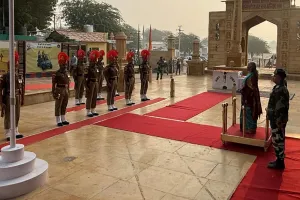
(120, 36)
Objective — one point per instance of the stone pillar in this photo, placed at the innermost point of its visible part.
(196, 49)
(121, 48)
(171, 48)
(195, 66)
(171, 52)
(235, 53)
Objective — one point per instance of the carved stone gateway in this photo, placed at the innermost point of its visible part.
(228, 41)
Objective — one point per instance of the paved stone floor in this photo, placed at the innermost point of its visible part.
(100, 163)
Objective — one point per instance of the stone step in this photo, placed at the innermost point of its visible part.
(10, 155)
(13, 170)
(25, 184)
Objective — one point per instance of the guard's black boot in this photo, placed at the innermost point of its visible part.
(60, 124)
(65, 123)
(277, 164)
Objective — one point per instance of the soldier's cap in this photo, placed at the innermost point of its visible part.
(280, 72)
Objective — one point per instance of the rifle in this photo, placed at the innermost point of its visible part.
(3, 105)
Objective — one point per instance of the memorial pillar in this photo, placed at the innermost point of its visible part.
(171, 52)
(196, 49)
(235, 53)
(121, 39)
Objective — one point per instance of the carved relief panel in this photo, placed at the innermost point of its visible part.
(284, 39)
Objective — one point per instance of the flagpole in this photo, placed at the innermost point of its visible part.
(138, 49)
(12, 77)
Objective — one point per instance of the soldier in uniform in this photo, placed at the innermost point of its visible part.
(100, 67)
(277, 112)
(91, 82)
(129, 78)
(60, 89)
(77, 72)
(144, 74)
(160, 68)
(5, 99)
(111, 75)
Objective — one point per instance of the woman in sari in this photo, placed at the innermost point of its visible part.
(250, 100)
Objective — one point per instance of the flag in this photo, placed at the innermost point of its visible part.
(150, 40)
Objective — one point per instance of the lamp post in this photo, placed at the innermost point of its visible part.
(12, 74)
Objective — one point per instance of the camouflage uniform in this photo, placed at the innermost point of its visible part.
(160, 68)
(277, 111)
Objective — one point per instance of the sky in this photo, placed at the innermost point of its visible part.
(193, 15)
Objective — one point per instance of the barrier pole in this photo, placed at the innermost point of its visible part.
(244, 120)
(234, 111)
(226, 116)
(223, 118)
(267, 128)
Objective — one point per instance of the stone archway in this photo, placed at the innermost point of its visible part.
(253, 20)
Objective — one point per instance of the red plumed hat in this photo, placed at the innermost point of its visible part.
(63, 58)
(80, 53)
(112, 54)
(130, 56)
(94, 55)
(145, 53)
(102, 53)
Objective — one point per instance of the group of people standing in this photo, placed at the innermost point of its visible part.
(277, 110)
(164, 66)
(90, 78)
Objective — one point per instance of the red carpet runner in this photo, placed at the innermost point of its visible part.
(260, 183)
(73, 126)
(81, 107)
(188, 108)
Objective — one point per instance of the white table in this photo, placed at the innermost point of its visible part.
(223, 79)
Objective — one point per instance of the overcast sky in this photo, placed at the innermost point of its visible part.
(191, 14)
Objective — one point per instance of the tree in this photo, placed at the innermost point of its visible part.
(32, 14)
(186, 43)
(132, 35)
(257, 45)
(104, 17)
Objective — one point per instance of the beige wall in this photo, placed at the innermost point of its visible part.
(101, 46)
(216, 48)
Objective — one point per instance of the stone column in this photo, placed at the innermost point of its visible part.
(196, 49)
(171, 52)
(235, 53)
(121, 48)
(171, 47)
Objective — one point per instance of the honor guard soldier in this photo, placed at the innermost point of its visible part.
(129, 78)
(144, 74)
(111, 75)
(60, 89)
(100, 66)
(78, 74)
(91, 81)
(277, 112)
(5, 98)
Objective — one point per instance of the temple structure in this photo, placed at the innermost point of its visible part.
(228, 32)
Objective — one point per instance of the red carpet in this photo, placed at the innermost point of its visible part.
(81, 107)
(260, 183)
(42, 86)
(188, 108)
(57, 131)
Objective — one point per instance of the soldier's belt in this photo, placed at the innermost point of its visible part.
(62, 85)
